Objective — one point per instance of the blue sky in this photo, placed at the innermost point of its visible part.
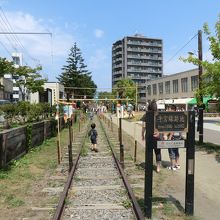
(96, 24)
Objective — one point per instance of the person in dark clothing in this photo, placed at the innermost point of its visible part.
(156, 136)
(93, 134)
(174, 152)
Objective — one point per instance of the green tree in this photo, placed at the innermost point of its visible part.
(211, 69)
(125, 88)
(5, 68)
(28, 80)
(104, 95)
(75, 74)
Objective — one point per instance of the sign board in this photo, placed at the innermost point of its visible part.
(170, 122)
(160, 106)
(170, 144)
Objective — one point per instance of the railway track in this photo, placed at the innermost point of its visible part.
(96, 187)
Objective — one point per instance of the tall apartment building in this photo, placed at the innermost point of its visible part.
(138, 58)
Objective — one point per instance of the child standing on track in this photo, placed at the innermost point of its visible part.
(93, 137)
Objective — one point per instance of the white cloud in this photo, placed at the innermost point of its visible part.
(38, 46)
(100, 65)
(98, 33)
(98, 60)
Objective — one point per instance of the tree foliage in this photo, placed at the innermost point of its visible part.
(125, 88)
(104, 95)
(75, 74)
(211, 69)
(27, 79)
(5, 66)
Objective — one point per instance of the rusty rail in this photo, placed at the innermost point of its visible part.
(136, 207)
(61, 204)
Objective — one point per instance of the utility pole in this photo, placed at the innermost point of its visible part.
(200, 101)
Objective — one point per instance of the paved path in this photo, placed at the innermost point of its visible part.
(211, 130)
(207, 172)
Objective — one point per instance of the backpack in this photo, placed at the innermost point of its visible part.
(92, 133)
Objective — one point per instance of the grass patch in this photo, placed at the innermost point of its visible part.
(3, 175)
(13, 201)
(126, 204)
(21, 176)
(84, 151)
(67, 201)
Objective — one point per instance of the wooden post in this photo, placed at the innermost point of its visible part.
(121, 145)
(58, 152)
(149, 124)
(70, 147)
(135, 151)
(190, 165)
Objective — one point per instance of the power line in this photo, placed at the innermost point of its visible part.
(46, 33)
(12, 33)
(8, 38)
(6, 48)
(9, 31)
(181, 49)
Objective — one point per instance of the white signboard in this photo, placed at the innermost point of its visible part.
(170, 144)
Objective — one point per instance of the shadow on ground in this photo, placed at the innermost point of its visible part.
(163, 163)
(164, 201)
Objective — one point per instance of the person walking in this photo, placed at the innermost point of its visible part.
(130, 111)
(156, 136)
(93, 134)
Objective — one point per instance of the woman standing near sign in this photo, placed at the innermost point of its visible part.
(156, 136)
(174, 152)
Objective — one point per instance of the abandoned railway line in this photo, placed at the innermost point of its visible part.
(96, 187)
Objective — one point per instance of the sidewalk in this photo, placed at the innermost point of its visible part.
(211, 126)
(207, 173)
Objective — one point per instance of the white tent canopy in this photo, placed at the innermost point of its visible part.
(161, 103)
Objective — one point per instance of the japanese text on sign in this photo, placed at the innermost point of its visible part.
(170, 121)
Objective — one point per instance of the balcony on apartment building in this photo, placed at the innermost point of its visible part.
(115, 47)
(148, 71)
(143, 56)
(144, 50)
(117, 59)
(117, 53)
(144, 64)
(144, 43)
(116, 66)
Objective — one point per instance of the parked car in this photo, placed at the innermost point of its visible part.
(2, 102)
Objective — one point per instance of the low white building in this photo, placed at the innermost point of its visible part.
(53, 91)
